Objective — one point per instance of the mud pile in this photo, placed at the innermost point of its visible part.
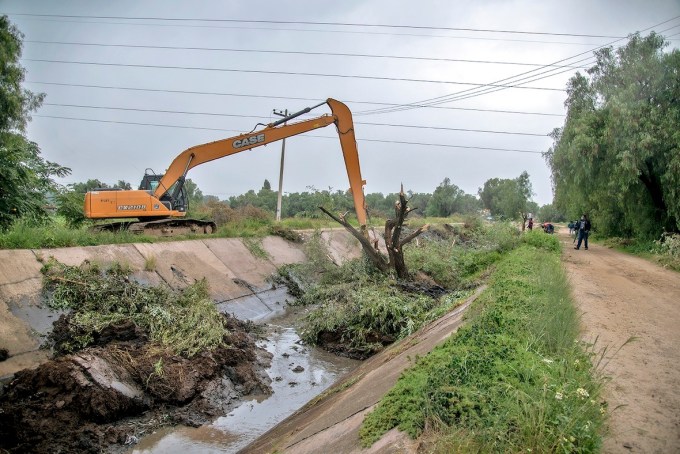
(114, 393)
(112, 382)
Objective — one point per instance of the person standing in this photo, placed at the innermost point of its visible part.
(583, 230)
(531, 223)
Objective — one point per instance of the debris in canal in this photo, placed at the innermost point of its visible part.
(128, 358)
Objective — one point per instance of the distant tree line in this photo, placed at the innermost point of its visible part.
(503, 198)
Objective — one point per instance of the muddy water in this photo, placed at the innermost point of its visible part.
(298, 374)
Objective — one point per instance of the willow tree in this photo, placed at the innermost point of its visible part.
(617, 156)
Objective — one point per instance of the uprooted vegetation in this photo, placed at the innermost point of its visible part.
(358, 310)
(127, 350)
(512, 379)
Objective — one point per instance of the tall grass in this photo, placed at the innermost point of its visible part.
(454, 261)
(57, 234)
(513, 379)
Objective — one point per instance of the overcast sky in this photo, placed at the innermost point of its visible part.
(113, 151)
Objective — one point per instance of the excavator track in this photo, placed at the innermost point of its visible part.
(162, 227)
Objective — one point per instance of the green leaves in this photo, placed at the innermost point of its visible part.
(511, 380)
(508, 197)
(26, 177)
(186, 320)
(618, 155)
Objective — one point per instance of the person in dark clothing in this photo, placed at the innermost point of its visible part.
(531, 223)
(583, 230)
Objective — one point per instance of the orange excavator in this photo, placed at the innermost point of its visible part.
(160, 204)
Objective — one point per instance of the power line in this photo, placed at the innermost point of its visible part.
(377, 103)
(476, 91)
(135, 109)
(259, 117)
(482, 90)
(336, 24)
(307, 135)
(451, 96)
(524, 80)
(270, 51)
(287, 73)
(350, 32)
(442, 128)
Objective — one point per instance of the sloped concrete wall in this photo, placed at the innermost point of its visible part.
(237, 279)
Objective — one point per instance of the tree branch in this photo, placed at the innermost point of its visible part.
(413, 235)
(374, 255)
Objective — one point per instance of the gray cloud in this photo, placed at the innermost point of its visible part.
(111, 152)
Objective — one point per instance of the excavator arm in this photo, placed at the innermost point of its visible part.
(200, 154)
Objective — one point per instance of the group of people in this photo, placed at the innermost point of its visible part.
(546, 226)
(581, 229)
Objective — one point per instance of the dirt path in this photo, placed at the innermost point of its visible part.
(622, 296)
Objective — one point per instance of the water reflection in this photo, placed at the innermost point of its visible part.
(298, 374)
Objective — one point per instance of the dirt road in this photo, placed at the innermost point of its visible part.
(625, 297)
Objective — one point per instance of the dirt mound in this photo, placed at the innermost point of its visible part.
(334, 342)
(114, 391)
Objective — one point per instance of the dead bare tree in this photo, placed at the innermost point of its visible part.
(393, 241)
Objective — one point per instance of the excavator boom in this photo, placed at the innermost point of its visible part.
(159, 200)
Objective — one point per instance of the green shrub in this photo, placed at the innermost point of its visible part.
(70, 207)
(455, 261)
(366, 319)
(540, 239)
(359, 309)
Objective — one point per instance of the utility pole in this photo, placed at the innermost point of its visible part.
(283, 154)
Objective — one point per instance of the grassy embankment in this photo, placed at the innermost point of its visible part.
(665, 253)
(513, 379)
(57, 234)
(362, 311)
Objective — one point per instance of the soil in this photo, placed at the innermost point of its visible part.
(623, 297)
(108, 395)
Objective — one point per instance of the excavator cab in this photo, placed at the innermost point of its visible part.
(174, 199)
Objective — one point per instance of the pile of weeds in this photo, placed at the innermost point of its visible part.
(286, 233)
(360, 322)
(357, 310)
(513, 379)
(456, 260)
(129, 358)
(105, 300)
